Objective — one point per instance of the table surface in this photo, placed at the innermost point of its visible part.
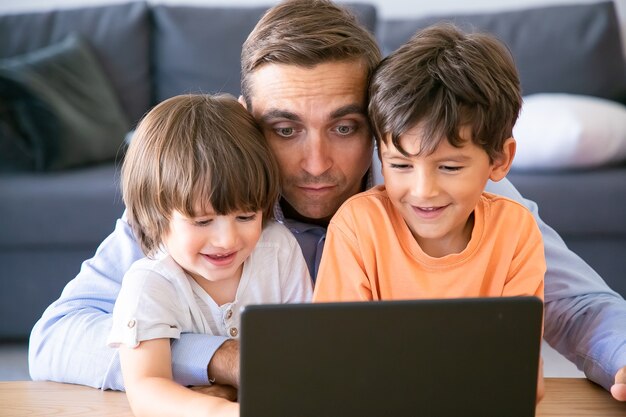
(571, 397)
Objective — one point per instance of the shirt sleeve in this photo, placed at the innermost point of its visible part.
(584, 319)
(342, 275)
(68, 343)
(147, 307)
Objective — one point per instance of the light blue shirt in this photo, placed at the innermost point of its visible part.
(585, 320)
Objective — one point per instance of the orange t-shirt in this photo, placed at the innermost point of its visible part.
(370, 254)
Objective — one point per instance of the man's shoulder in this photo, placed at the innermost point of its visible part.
(275, 233)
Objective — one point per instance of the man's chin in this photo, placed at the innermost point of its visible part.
(310, 212)
(316, 214)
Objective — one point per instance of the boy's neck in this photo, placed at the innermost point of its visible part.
(223, 291)
(438, 248)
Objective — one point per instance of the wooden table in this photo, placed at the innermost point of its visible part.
(565, 397)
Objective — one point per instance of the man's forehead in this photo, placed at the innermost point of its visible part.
(284, 80)
(334, 89)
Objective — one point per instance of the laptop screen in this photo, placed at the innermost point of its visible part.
(438, 358)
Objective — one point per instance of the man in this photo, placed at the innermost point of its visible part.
(305, 69)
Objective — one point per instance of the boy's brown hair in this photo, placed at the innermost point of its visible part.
(306, 33)
(192, 149)
(445, 79)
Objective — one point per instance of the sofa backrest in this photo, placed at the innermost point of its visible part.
(572, 49)
(118, 34)
(198, 49)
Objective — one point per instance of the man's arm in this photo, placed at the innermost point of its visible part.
(584, 319)
(68, 343)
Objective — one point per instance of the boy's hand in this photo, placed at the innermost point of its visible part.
(216, 390)
(619, 389)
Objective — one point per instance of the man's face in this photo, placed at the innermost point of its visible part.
(316, 124)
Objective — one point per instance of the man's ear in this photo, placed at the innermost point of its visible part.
(502, 163)
(242, 101)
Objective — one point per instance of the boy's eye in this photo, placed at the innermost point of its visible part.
(246, 217)
(450, 168)
(201, 223)
(398, 166)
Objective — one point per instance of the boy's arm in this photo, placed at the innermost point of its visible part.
(584, 319)
(152, 392)
(68, 343)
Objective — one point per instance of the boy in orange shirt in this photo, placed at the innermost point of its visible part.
(442, 109)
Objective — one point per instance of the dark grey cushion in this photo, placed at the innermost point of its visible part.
(578, 203)
(64, 106)
(68, 209)
(565, 48)
(20, 151)
(119, 35)
(198, 49)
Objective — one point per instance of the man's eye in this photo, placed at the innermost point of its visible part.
(345, 130)
(285, 132)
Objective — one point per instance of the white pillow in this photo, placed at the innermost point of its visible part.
(556, 131)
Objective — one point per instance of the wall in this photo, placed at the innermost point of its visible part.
(387, 8)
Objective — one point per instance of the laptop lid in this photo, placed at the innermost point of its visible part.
(436, 358)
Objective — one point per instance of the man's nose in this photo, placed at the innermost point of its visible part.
(317, 158)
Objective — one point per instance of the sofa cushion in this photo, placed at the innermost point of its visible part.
(119, 35)
(561, 131)
(582, 204)
(198, 49)
(563, 48)
(62, 209)
(63, 106)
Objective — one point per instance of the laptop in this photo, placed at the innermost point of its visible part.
(436, 358)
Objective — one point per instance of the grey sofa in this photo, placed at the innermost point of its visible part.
(51, 221)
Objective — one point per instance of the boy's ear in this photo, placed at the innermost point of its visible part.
(242, 101)
(502, 164)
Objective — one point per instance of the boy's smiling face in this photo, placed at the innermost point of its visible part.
(212, 247)
(437, 193)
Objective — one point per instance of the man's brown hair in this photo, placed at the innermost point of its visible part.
(445, 79)
(191, 150)
(306, 33)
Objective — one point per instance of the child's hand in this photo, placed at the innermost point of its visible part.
(619, 389)
(216, 390)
